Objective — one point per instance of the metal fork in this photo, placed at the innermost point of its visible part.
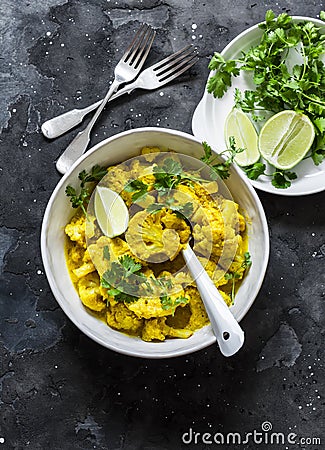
(125, 71)
(149, 79)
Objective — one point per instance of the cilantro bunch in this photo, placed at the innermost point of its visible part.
(277, 85)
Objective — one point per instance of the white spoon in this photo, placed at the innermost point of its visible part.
(227, 330)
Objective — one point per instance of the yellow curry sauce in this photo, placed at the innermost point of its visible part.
(148, 317)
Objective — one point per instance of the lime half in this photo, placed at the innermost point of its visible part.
(286, 138)
(241, 128)
(111, 212)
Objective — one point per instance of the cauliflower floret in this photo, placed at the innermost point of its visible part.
(230, 249)
(242, 222)
(170, 220)
(198, 317)
(76, 230)
(121, 248)
(121, 318)
(205, 193)
(188, 192)
(211, 187)
(209, 266)
(96, 252)
(147, 307)
(84, 270)
(237, 264)
(149, 153)
(149, 240)
(230, 214)
(118, 177)
(75, 253)
(226, 297)
(89, 292)
(156, 329)
(117, 248)
(202, 240)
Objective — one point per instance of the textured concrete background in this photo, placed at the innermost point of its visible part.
(58, 389)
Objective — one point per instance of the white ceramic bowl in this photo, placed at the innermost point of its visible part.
(58, 212)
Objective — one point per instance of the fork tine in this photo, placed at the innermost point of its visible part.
(171, 57)
(173, 61)
(143, 53)
(178, 70)
(138, 44)
(135, 40)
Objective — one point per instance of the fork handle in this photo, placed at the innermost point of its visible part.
(64, 122)
(79, 144)
(59, 125)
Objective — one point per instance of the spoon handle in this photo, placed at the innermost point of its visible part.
(227, 330)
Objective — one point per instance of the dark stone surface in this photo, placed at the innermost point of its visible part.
(59, 389)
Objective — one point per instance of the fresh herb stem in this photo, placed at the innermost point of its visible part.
(235, 276)
(82, 198)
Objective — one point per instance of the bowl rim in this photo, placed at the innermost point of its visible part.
(46, 263)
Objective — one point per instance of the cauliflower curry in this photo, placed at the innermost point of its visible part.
(138, 282)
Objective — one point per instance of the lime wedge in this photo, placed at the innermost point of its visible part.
(241, 128)
(111, 212)
(286, 138)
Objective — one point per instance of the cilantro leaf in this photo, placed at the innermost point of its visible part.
(129, 265)
(96, 174)
(138, 187)
(221, 80)
(255, 170)
(168, 303)
(207, 152)
(182, 211)
(281, 179)
(318, 156)
(115, 280)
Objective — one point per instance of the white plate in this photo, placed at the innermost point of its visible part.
(210, 115)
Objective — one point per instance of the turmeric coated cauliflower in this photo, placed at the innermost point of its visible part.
(76, 230)
(139, 281)
(156, 237)
(156, 329)
(89, 292)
